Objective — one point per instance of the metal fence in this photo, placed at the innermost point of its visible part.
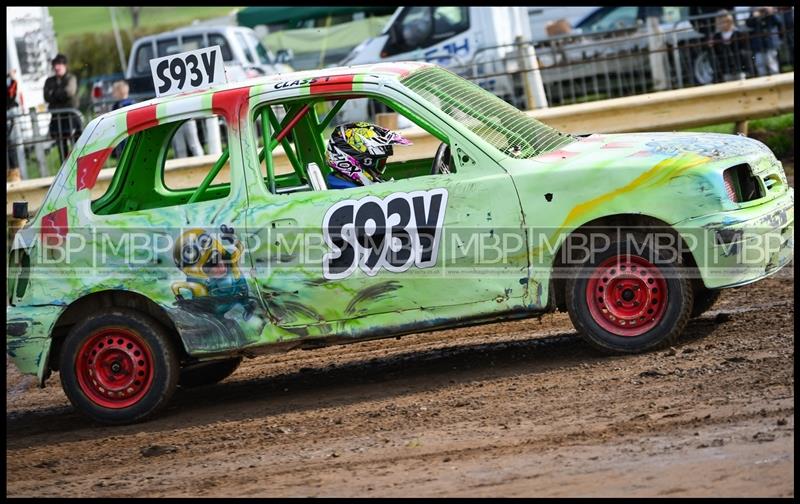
(573, 68)
(577, 68)
(43, 139)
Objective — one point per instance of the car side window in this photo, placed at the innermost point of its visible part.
(416, 27)
(421, 27)
(143, 171)
(245, 47)
(143, 56)
(307, 129)
(449, 21)
(616, 18)
(220, 40)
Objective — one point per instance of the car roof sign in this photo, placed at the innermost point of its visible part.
(188, 71)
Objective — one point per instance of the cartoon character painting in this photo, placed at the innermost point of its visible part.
(214, 280)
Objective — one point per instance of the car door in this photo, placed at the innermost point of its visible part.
(171, 238)
(325, 256)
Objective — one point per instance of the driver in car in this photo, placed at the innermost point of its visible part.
(357, 153)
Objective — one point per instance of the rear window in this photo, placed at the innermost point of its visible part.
(193, 42)
(500, 124)
(167, 47)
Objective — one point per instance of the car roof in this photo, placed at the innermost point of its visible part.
(191, 30)
(392, 70)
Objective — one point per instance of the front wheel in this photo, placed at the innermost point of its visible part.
(626, 299)
(119, 367)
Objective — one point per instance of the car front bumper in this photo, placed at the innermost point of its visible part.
(742, 246)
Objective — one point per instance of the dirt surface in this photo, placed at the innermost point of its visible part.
(512, 409)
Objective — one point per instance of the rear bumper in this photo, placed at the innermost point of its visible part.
(28, 337)
(743, 246)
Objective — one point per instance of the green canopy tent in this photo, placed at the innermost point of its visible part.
(254, 16)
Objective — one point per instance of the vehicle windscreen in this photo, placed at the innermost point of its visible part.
(500, 124)
(264, 56)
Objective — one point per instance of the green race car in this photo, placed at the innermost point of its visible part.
(158, 282)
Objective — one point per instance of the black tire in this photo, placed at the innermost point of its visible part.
(704, 299)
(703, 71)
(207, 374)
(96, 338)
(661, 330)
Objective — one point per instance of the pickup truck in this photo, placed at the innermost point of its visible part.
(243, 54)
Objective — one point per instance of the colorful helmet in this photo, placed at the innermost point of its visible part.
(359, 151)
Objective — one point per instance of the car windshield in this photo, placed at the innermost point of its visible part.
(264, 56)
(500, 124)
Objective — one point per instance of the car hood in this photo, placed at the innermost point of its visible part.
(706, 151)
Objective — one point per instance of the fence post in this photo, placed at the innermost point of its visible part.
(532, 77)
(38, 148)
(656, 48)
(676, 56)
(15, 136)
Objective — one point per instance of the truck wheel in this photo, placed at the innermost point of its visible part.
(207, 374)
(119, 367)
(704, 299)
(628, 300)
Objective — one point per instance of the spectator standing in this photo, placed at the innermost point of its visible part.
(731, 50)
(765, 27)
(702, 20)
(60, 92)
(120, 90)
(12, 108)
(787, 18)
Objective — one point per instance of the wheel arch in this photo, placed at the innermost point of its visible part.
(113, 298)
(558, 299)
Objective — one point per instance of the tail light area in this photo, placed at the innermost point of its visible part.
(741, 185)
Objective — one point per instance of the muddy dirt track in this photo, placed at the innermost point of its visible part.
(514, 409)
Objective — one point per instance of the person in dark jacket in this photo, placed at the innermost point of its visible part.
(61, 92)
(12, 108)
(787, 17)
(702, 20)
(731, 50)
(765, 29)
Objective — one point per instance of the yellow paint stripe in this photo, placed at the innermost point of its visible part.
(659, 173)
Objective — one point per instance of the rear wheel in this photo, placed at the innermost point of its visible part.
(119, 367)
(626, 299)
(208, 373)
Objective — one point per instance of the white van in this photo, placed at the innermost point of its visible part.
(475, 42)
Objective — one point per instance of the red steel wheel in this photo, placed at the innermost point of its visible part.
(115, 367)
(627, 298)
(119, 365)
(627, 295)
